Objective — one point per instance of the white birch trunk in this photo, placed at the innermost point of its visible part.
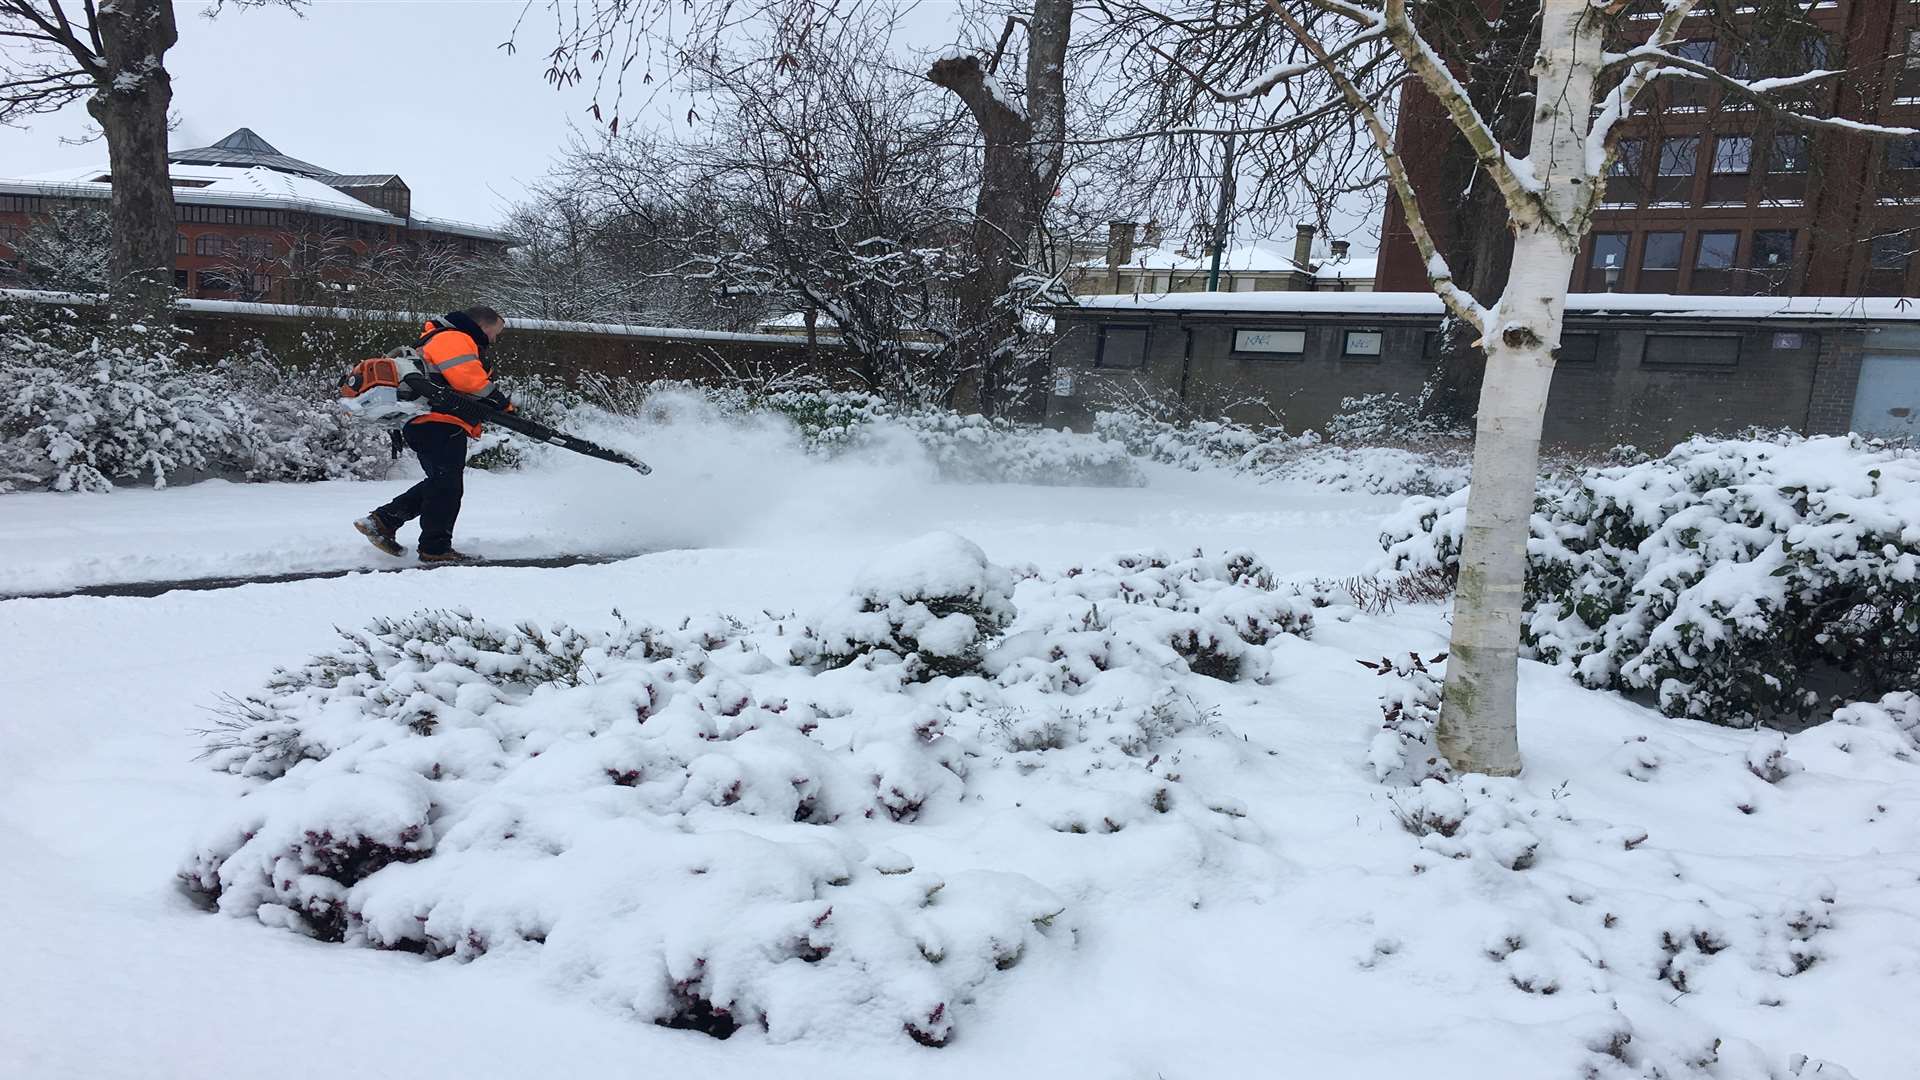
(1478, 720)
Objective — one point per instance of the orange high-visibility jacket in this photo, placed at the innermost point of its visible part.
(454, 356)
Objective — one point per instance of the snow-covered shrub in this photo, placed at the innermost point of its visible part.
(1405, 750)
(1271, 455)
(1189, 446)
(694, 824)
(932, 605)
(79, 411)
(1373, 419)
(973, 449)
(1739, 580)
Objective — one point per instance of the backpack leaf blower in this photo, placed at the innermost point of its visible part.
(387, 388)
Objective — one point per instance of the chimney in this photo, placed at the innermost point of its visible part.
(1339, 250)
(1303, 257)
(1120, 243)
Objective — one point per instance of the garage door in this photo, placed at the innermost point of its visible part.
(1888, 400)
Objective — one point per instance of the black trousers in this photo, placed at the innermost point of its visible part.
(435, 500)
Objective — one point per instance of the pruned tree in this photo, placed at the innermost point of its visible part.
(114, 56)
(1590, 64)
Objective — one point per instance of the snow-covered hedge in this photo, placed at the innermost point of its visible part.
(846, 824)
(1270, 454)
(82, 408)
(1739, 580)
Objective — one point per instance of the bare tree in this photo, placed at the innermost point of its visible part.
(114, 56)
(1589, 65)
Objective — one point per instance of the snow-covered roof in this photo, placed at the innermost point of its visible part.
(1872, 309)
(244, 149)
(257, 187)
(1245, 257)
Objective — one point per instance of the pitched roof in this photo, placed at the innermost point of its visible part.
(245, 149)
(347, 180)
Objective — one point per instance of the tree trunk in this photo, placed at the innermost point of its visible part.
(131, 108)
(1020, 166)
(1478, 720)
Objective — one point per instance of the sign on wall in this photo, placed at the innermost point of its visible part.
(1270, 341)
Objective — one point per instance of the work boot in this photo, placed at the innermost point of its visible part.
(379, 534)
(447, 556)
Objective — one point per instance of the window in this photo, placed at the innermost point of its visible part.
(1245, 284)
(1662, 251)
(1121, 347)
(1629, 155)
(21, 204)
(1814, 52)
(1363, 343)
(254, 247)
(1913, 50)
(1578, 348)
(1772, 248)
(1789, 154)
(1716, 250)
(1692, 350)
(1679, 157)
(180, 280)
(1700, 52)
(1733, 154)
(1892, 251)
(209, 244)
(1904, 153)
(213, 281)
(1270, 342)
(179, 243)
(1610, 249)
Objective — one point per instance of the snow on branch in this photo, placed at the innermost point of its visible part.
(1614, 105)
(1439, 274)
(1760, 91)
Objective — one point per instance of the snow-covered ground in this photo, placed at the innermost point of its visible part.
(1289, 927)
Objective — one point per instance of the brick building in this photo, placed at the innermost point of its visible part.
(1707, 197)
(254, 223)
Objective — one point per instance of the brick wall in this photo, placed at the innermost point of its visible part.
(1836, 376)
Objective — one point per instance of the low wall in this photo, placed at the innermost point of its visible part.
(1640, 376)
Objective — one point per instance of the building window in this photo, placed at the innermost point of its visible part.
(180, 280)
(213, 281)
(1700, 52)
(1717, 250)
(1121, 347)
(1662, 251)
(1904, 153)
(1629, 155)
(1789, 154)
(1732, 154)
(1245, 284)
(1270, 342)
(1679, 157)
(1692, 350)
(1610, 249)
(1772, 249)
(1892, 251)
(1364, 343)
(179, 243)
(209, 244)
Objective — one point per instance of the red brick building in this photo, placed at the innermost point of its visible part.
(256, 224)
(1707, 197)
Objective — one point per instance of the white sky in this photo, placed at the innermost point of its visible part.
(415, 87)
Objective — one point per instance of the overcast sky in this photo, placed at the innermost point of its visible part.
(415, 87)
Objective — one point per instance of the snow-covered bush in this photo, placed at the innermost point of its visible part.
(1738, 580)
(1190, 446)
(84, 406)
(932, 605)
(78, 412)
(1373, 419)
(1271, 455)
(706, 824)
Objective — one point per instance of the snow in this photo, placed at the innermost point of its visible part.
(1643, 898)
(1820, 308)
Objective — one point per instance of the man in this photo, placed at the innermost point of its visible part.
(453, 350)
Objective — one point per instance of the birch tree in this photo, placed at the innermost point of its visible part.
(1589, 65)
